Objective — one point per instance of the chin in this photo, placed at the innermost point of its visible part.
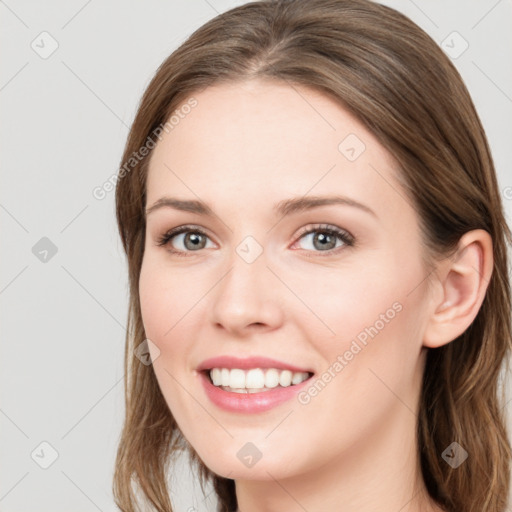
(246, 464)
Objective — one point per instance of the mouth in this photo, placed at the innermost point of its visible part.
(253, 384)
(254, 380)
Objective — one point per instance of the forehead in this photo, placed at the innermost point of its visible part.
(265, 116)
(261, 136)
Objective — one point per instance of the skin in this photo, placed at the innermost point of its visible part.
(242, 149)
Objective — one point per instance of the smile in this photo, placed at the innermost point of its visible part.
(252, 384)
(255, 380)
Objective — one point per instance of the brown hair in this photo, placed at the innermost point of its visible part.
(396, 80)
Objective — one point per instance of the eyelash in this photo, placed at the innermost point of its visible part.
(347, 239)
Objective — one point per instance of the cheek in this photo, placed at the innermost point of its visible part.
(167, 298)
(153, 302)
(372, 357)
(365, 312)
(167, 307)
(343, 301)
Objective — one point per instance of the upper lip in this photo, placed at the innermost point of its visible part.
(248, 363)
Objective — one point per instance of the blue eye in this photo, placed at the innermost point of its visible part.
(194, 239)
(326, 239)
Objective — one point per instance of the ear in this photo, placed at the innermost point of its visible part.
(460, 288)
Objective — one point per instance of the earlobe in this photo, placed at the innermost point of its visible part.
(462, 280)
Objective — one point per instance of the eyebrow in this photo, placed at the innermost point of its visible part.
(282, 208)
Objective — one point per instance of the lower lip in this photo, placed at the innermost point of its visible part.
(250, 402)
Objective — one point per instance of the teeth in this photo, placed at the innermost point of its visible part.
(285, 379)
(271, 378)
(254, 380)
(297, 378)
(236, 378)
(216, 376)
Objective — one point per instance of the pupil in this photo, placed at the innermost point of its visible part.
(324, 239)
(194, 239)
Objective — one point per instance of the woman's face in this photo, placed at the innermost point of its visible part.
(329, 288)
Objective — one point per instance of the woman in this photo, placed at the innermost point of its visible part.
(318, 270)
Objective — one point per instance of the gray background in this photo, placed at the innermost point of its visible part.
(64, 124)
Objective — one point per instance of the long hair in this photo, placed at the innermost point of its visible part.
(393, 77)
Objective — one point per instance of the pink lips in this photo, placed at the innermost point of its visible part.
(247, 363)
(248, 402)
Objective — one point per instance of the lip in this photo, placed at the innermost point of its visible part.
(248, 363)
(249, 403)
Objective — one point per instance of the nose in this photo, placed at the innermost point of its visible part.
(247, 298)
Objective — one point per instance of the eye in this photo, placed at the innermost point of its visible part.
(320, 238)
(188, 239)
(326, 238)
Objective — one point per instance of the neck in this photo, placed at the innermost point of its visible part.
(379, 472)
